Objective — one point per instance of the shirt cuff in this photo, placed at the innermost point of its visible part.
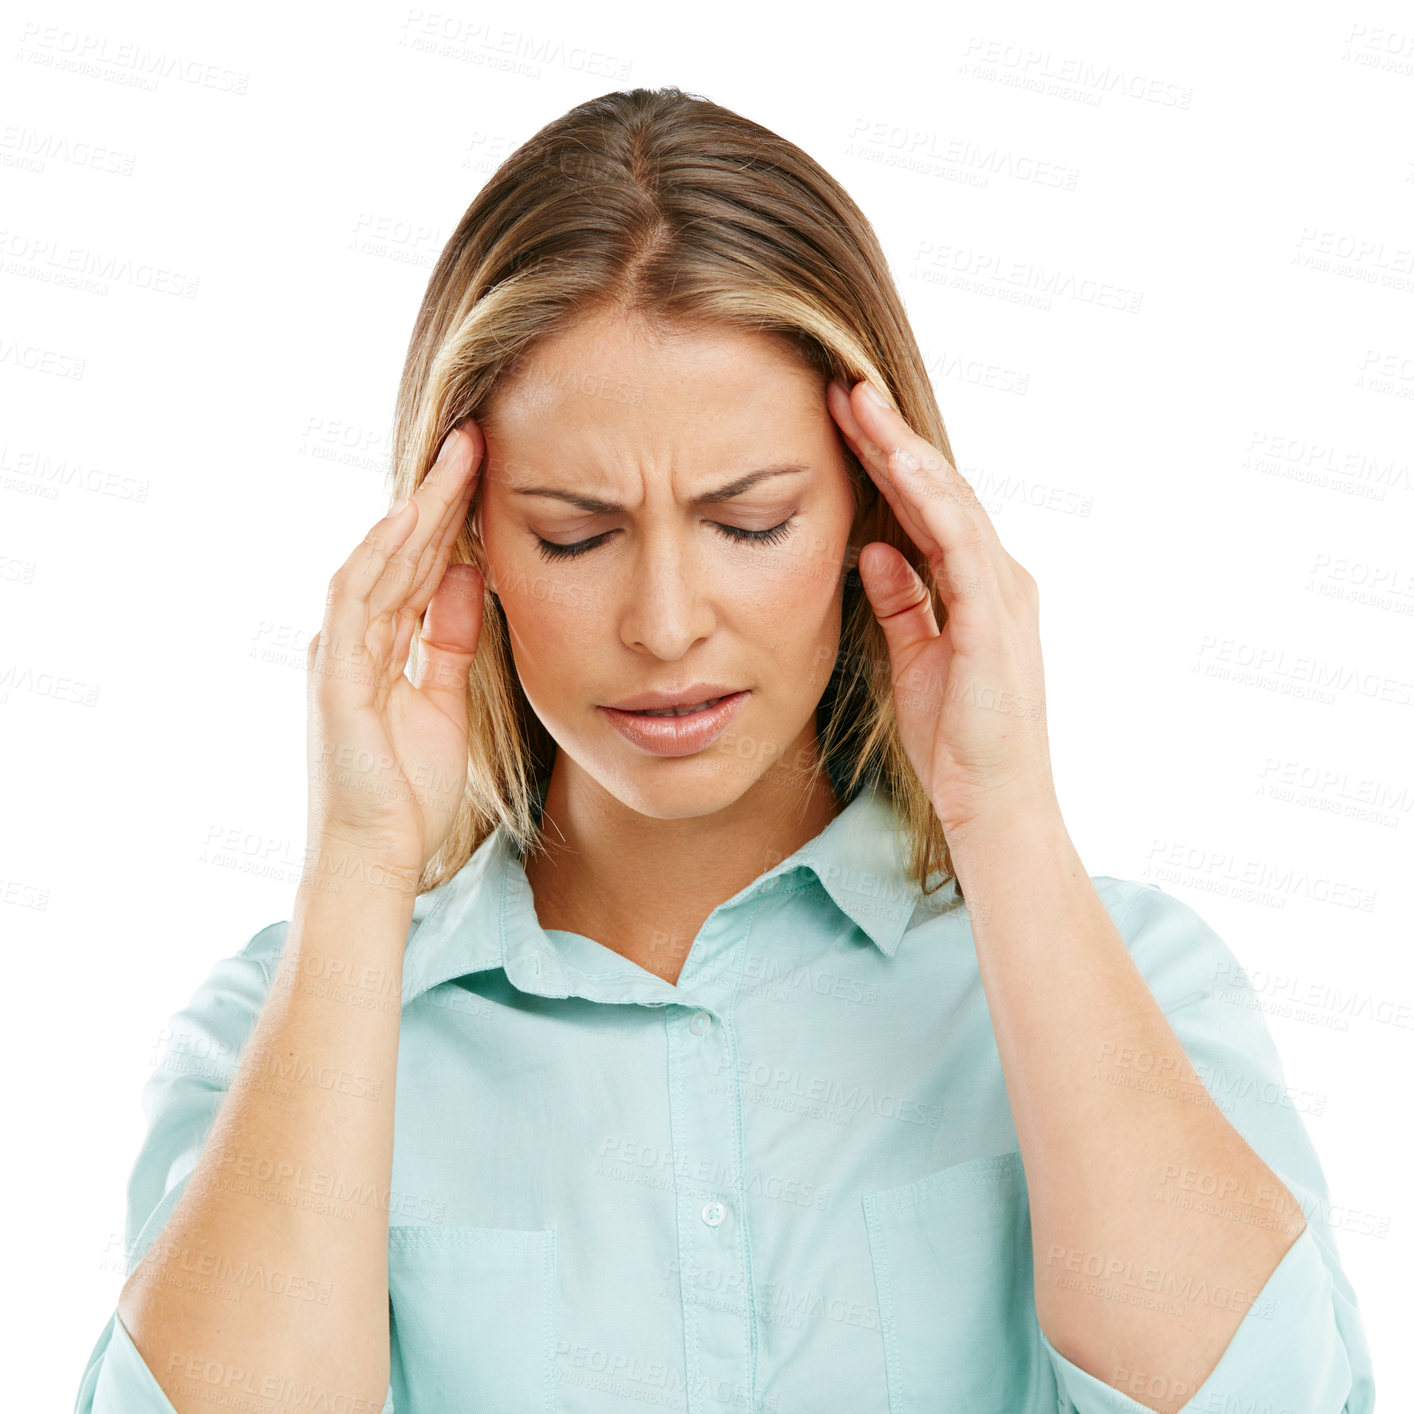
(1287, 1353)
(126, 1386)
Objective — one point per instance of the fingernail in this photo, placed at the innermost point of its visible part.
(449, 442)
(870, 391)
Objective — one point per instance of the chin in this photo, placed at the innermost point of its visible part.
(666, 787)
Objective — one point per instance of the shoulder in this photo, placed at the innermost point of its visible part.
(1179, 953)
(219, 1013)
(264, 951)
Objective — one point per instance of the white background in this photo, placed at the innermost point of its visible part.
(1212, 487)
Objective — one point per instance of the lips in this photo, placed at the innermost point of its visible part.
(690, 697)
(677, 711)
(678, 728)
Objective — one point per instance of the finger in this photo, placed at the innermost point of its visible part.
(438, 554)
(872, 456)
(881, 429)
(346, 616)
(934, 504)
(407, 616)
(450, 635)
(429, 570)
(437, 498)
(904, 608)
(899, 598)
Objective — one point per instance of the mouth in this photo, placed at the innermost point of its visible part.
(681, 730)
(685, 711)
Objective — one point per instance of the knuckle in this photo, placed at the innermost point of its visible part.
(402, 560)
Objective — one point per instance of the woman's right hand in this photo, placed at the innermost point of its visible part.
(388, 756)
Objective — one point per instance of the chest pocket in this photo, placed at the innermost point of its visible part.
(472, 1320)
(952, 1269)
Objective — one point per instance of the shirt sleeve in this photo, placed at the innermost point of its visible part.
(202, 1047)
(1301, 1344)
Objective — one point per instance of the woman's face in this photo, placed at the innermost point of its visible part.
(624, 446)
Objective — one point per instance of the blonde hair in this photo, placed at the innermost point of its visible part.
(663, 206)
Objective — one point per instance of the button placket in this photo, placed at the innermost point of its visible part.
(713, 1212)
(716, 1302)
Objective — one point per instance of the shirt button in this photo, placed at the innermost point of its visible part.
(713, 1214)
(701, 1021)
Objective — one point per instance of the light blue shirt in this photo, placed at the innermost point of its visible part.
(790, 1183)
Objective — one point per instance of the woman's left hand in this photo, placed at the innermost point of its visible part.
(970, 697)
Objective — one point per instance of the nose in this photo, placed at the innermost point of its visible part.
(669, 600)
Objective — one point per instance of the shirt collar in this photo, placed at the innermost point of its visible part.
(484, 916)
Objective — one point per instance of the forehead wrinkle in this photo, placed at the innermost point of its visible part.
(602, 455)
(716, 495)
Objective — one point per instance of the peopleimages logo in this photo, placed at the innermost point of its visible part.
(295, 1178)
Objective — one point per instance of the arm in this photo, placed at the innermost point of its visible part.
(1067, 1001)
(254, 1198)
(292, 1179)
(1138, 1286)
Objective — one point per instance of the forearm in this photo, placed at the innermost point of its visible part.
(293, 1178)
(1080, 1036)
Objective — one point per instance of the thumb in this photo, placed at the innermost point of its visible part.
(899, 598)
(451, 629)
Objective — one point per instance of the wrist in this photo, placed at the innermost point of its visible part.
(335, 866)
(1007, 837)
(1003, 816)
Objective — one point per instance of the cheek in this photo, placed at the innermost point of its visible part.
(535, 598)
(808, 598)
(546, 620)
(802, 588)
(793, 624)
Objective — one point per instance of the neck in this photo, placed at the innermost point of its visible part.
(643, 886)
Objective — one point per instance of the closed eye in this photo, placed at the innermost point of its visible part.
(551, 551)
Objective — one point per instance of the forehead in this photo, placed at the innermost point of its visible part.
(614, 376)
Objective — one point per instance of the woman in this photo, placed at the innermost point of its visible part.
(701, 905)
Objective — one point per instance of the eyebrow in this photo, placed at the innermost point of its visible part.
(722, 493)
